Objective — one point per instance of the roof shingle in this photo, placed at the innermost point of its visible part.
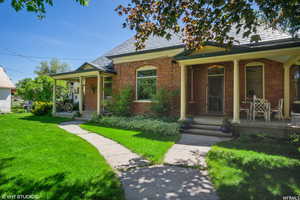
(5, 81)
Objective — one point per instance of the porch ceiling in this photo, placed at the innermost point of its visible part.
(282, 59)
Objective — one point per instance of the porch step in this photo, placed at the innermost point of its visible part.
(205, 126)
(207, 122)
(208, 126)
(215, 133)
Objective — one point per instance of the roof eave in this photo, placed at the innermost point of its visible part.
(240, 49)
(82, 71)
(146, 51)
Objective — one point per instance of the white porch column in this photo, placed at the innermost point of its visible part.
(80, 95)
(286, 90)
(236, 92)
(99, 92)
(54, 98)
(183, 82)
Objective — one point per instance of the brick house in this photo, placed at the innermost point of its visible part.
(212, 80)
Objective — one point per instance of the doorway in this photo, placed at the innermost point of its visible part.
(215, 90)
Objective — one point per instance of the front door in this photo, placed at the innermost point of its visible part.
(215, 89)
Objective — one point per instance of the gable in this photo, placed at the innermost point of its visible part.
(208, 49)
(86, 66)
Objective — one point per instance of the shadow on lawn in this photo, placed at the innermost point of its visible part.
(268, 146)
(242, 181)
(256, 176)
(58, 186)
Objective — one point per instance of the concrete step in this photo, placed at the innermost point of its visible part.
(205, 126)
(206, 132)
(210, 123)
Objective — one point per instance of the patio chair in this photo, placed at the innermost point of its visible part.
(261, 107)
(246, 107)
(279, 109)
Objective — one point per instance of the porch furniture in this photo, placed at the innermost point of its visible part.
(261, 107)
(279, 109)
(246, 107)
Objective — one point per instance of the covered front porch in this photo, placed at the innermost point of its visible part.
(216, 82)
(93, 87)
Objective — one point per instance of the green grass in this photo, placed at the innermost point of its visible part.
(151, 146)
(37, 157)
(253, 168)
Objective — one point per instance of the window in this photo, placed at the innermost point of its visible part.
(296, 83)
(145, 83)
(107, 87)
(254, 80)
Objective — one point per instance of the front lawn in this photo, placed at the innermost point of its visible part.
(38, 158)
(152, 146)
(255, 168)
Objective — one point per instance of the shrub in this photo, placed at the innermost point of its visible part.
(17, 108)
(95, 117)
(294, 139)
(141, 124)
(41, 108)
(162, 102)
(121, 105)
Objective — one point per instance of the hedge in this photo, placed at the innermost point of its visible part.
(141, 124)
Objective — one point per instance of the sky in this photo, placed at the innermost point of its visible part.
(70, 32)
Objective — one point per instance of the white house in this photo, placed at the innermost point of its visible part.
(6, 85)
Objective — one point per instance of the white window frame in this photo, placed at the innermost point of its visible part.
(103, 84)
(224, 86)
(144, 68)
(254, 64)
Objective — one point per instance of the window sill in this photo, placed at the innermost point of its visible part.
(142, 101)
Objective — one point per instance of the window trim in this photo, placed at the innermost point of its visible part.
(144, 68)
(224, 85)
(254, 64)
(103, 85)
(293, 83)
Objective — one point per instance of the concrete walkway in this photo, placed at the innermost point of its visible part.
(158, 182)
(191, 150)
(115, 154)
(166, 182)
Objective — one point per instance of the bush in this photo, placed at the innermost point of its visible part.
(294, 139)
(121, 105)
(41, 108)
(141, 124)
(162, 102)
(17, 108)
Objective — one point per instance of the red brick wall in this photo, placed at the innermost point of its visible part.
(273, 80)
(168, 73)
(273, 85)
(90, 96)
(168, 77)
(199, 105)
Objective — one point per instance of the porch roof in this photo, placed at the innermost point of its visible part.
(86, 69)
(247, 48)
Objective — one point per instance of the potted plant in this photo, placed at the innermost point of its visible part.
(226, 125)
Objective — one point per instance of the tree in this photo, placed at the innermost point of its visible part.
(39, 89)
(52, 67)
(208, 20)
(37, 6)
